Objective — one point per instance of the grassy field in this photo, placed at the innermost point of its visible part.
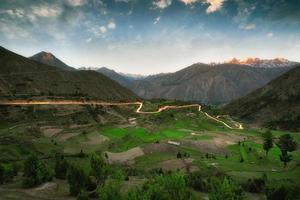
(204, 143)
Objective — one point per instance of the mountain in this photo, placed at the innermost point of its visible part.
(212, 84)
(120, 78)
(276, 105)
(265, 63)
(21, 77)
(49, 59)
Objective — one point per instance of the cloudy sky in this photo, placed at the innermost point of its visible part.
(151, 36)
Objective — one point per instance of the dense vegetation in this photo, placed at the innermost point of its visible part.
(275, 105)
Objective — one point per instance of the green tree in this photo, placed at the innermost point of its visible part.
(287, 144)
(98, 166)
(267, 141)
(76, 179)
(163, 187)
(35, 172)
(2, 174)
(225, 189)
(110, 191)
(61, 166)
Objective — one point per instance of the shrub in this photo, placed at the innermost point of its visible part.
(280, 192)
(35, 172)
(76, 179)
(255, 185)
(225, 189)
(110, 191)
(61, 166)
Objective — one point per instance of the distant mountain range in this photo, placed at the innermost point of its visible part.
(49, 59)
(210, 84)
(276, 105)
(21, 77)
(213, 83)
(257, 62)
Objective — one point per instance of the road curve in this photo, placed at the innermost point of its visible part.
(137, 103)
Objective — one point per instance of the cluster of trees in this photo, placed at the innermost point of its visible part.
(8, 172)
(286, 144)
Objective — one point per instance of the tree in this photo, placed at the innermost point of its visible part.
(110, 191)
(163, 187)
(267, 141)
(287, 144)
(76, 179)
(35, 172)
(225, 189)
(61, 166)
(83, 195)
(2, 174)
(98, 168)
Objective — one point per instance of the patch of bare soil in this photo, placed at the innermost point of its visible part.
(176, 164)
(50, 131)
(75, 126)
(96, 139)
(160, 148)
(47, 191)
(217, 145)
(126, 157)
(66, 136)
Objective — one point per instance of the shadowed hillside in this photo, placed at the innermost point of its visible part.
(213, 84)
(21, 77)
(276, 105)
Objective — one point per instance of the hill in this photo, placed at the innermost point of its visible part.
(276, 105)
(21, 77)
(49, 59)
(120, 78)
(212, 84)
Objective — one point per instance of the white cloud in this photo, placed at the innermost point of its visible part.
(46, 10)
(103, 29)
(13, 32)
(189, 1)
(214, 5)
(161, 4)
(157, 19)
(88, 40)
(16, 13)
(76, 2)
(249, 27)
(270, 34)
(111, 25)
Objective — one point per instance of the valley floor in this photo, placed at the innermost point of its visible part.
(137, 141)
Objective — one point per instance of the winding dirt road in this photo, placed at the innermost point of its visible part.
(138, 110)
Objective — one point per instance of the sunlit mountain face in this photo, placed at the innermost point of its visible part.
(151, 36)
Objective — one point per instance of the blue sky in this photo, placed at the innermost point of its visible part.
(151, 36)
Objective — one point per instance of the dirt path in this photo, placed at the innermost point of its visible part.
(138, 110)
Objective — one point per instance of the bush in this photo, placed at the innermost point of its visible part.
(110, 191)
(76, 179)
(280, 192)
(61, 166)
(225, 189)
(35, 172)
(255, 185)
(163, 187)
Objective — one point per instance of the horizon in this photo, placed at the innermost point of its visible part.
(157, 36)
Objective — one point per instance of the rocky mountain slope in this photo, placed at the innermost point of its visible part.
(212, 84)
(49, 59)
(276, 105)
(21, 77)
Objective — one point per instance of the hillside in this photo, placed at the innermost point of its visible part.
(122, 79)
(50, 59)
(21, 77)
(276, 105)
(212, 84)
